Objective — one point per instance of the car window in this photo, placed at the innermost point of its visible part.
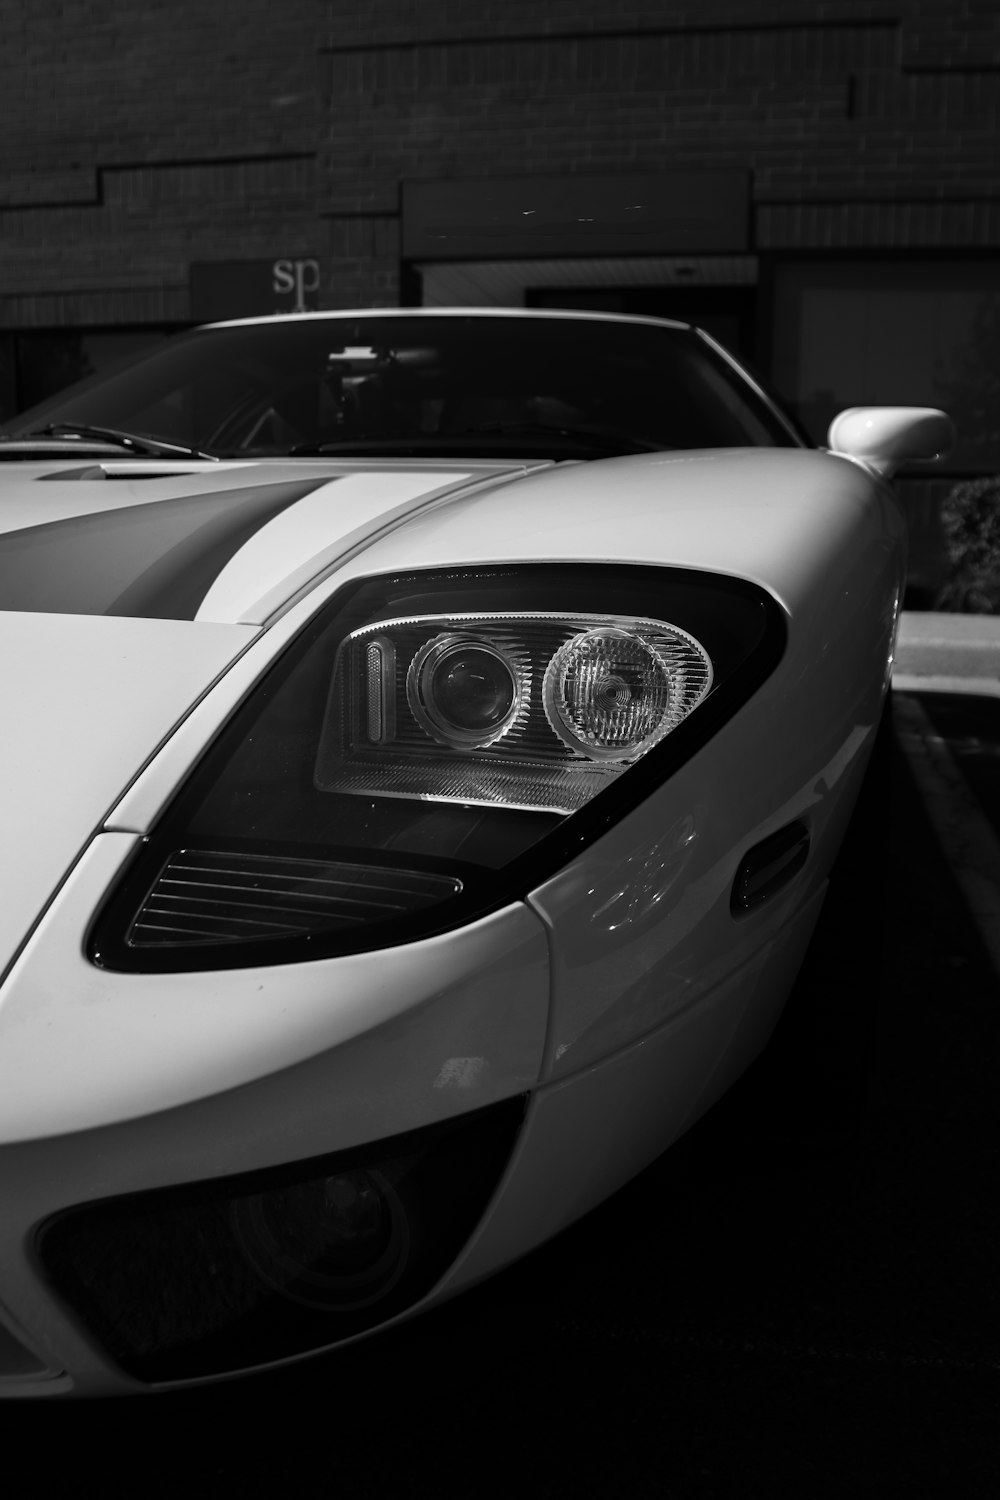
(433, 385)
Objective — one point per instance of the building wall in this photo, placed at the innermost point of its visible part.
(136, 142)
(135, 139)
(863, 124)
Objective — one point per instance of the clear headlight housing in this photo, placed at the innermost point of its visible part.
(431, 746)
(518, 710)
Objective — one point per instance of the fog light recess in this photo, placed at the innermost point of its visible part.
(214, 1277)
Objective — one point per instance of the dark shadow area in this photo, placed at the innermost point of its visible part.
(797, 1300)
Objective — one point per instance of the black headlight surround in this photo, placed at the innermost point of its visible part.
(739, 624)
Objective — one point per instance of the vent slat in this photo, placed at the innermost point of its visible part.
(279, 903)
(212, 896)
(353, 876)
(227, 880)
(218, 912)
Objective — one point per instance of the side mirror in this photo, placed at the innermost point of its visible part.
(886, 437)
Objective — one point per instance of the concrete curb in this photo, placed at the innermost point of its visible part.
(943, 653)
(976, 687)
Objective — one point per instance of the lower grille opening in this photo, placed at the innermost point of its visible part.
(212, 1278)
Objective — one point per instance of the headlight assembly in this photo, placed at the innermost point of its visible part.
(431, 746)
(518, 710)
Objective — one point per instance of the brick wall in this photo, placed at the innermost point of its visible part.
(865, 125)
(136, 140)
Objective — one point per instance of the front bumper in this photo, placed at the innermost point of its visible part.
(115, 1085)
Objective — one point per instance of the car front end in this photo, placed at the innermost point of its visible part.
(224, 1151)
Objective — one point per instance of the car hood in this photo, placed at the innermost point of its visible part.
(97, 677)
(221, 542)
(88, 700)
(91, 695)
(772, 516)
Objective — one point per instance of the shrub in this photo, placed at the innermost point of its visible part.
(970, 521)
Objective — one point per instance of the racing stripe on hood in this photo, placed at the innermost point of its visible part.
(305, 540)
(144, 561)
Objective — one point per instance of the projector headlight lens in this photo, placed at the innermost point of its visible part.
(464, 691)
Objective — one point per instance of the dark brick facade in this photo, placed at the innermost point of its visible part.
(137, 140)
(864, 125)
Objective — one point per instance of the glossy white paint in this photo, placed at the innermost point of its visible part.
(32, 498)
(309, 536)
(887, 437)
(642, 927)
(787, 519)
(583, 1138)
(623, 994)
(296, 1064)
(89, 700)
(612, 983)
(82, 1048)
(358, 502)
(587, 1135)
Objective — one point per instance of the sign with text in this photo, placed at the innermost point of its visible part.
(248, 288)
(667, 213)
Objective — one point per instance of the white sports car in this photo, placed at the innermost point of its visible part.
(429, 735)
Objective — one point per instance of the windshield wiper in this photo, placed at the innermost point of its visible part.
(146, 446)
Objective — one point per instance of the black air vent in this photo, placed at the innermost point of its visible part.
(207, 896)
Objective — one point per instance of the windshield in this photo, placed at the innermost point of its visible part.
(429, 385)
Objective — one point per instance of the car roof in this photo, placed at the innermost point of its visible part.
(450, 312)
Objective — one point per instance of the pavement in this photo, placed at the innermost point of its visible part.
(797, 1300)
(948, 653)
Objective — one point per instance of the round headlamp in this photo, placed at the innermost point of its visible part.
(611, 693)
(464, 691)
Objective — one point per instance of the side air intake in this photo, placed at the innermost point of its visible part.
(207, 896)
